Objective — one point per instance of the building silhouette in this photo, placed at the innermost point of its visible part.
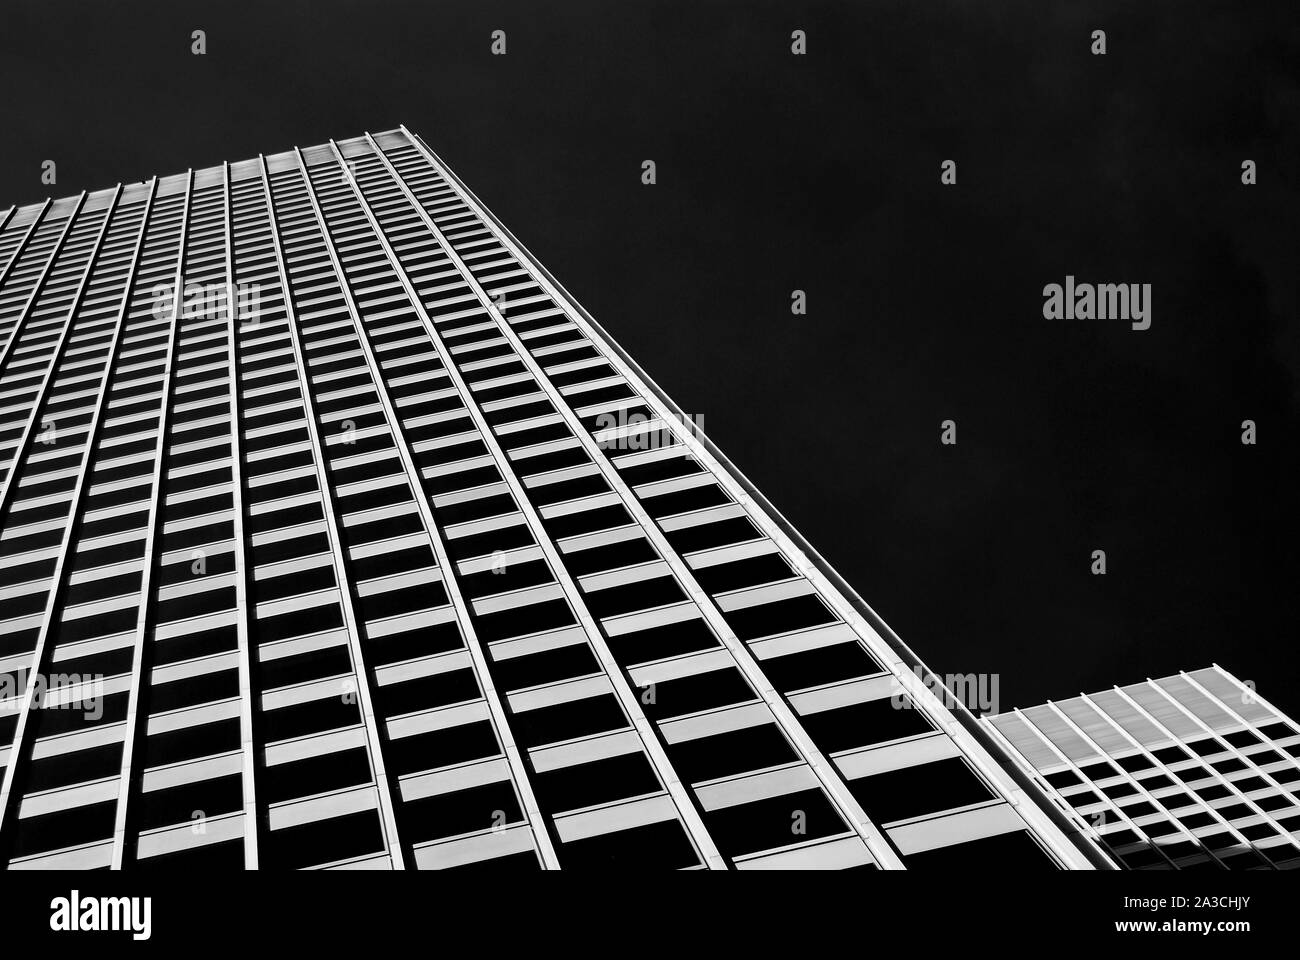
(334, 533)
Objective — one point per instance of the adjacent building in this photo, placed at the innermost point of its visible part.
(1192, 771)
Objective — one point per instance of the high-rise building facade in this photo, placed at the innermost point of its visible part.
(334, 533)
(1191, 771)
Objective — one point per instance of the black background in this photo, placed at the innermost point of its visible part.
(821, 173)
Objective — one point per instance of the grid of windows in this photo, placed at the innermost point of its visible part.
(1192, 771)
(366, 548)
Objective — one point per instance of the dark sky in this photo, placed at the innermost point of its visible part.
(821, 172)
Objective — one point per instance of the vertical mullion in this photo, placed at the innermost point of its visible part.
(101, 404)
(144, 621)
(330, 511)
(536, 823)
(1240, 794)
(364, 693)
(22, 243)
(1179, 740)
(16, 747)
(682, 799)
(1151, 757)
(242, 571)
(19, 323)
(1125, 775)
(1253, 694)
(1227, 708)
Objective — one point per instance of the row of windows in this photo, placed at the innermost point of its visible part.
(26, 273)
(442, 436)
(70, 746)
(408, 631)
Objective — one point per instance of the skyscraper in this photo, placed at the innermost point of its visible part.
(1192, 771)
(336, 534)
